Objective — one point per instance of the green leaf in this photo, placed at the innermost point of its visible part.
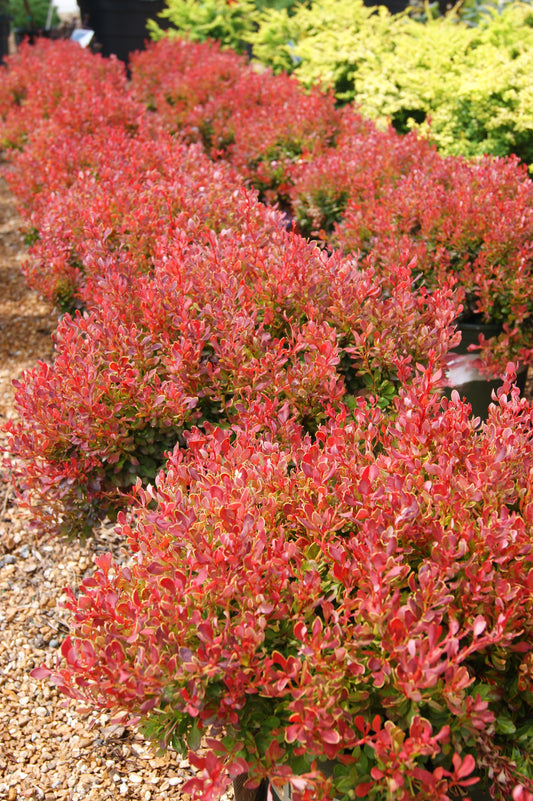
(195, 737)
(505, 725)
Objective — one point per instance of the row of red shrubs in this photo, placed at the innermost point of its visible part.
(196, 300)
(390, 199)
(334, 562)
(373, 193)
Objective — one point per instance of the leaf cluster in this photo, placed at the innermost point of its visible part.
(230, 23)
(362, 596)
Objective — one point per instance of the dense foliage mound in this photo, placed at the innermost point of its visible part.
(330, 562)
(362, 596)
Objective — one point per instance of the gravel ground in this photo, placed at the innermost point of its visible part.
(47, 749)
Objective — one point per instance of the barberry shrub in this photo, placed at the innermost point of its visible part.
(56, 80)
(349, 613)
(380, 195)
(219, 323)
(364, 165)
(340, 178)
(124, 204)
(173, 76)
(467, 221)
(262, 123)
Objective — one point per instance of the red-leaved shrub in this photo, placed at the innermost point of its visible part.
(174, 76)
(125, 204)
(331, 584)
(363, 166)
(367, 191)
(218, 324)
(56, 80)
(388, 199)
(262, 123)
(363, 596)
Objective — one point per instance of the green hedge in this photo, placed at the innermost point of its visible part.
(38, 17)
(230, 23)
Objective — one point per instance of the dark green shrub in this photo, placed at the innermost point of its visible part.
(39, 14)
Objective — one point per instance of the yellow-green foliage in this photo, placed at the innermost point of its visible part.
(322, 41)
(228, 23)
(470, 87)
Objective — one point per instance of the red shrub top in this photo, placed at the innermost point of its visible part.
(57, 80)
(364, 595)
(362, 166)
(174, 76)
(129, 195)
(216, 325)
(389, 199)
(198, 299)
(262, 123)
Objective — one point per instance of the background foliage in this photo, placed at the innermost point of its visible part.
(39, 14)
(463, 79)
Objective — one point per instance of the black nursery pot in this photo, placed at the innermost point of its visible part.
(462, 372)
(474, 792)
(119, 25)
(394, 6)
(5, 28)
(30, 35)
